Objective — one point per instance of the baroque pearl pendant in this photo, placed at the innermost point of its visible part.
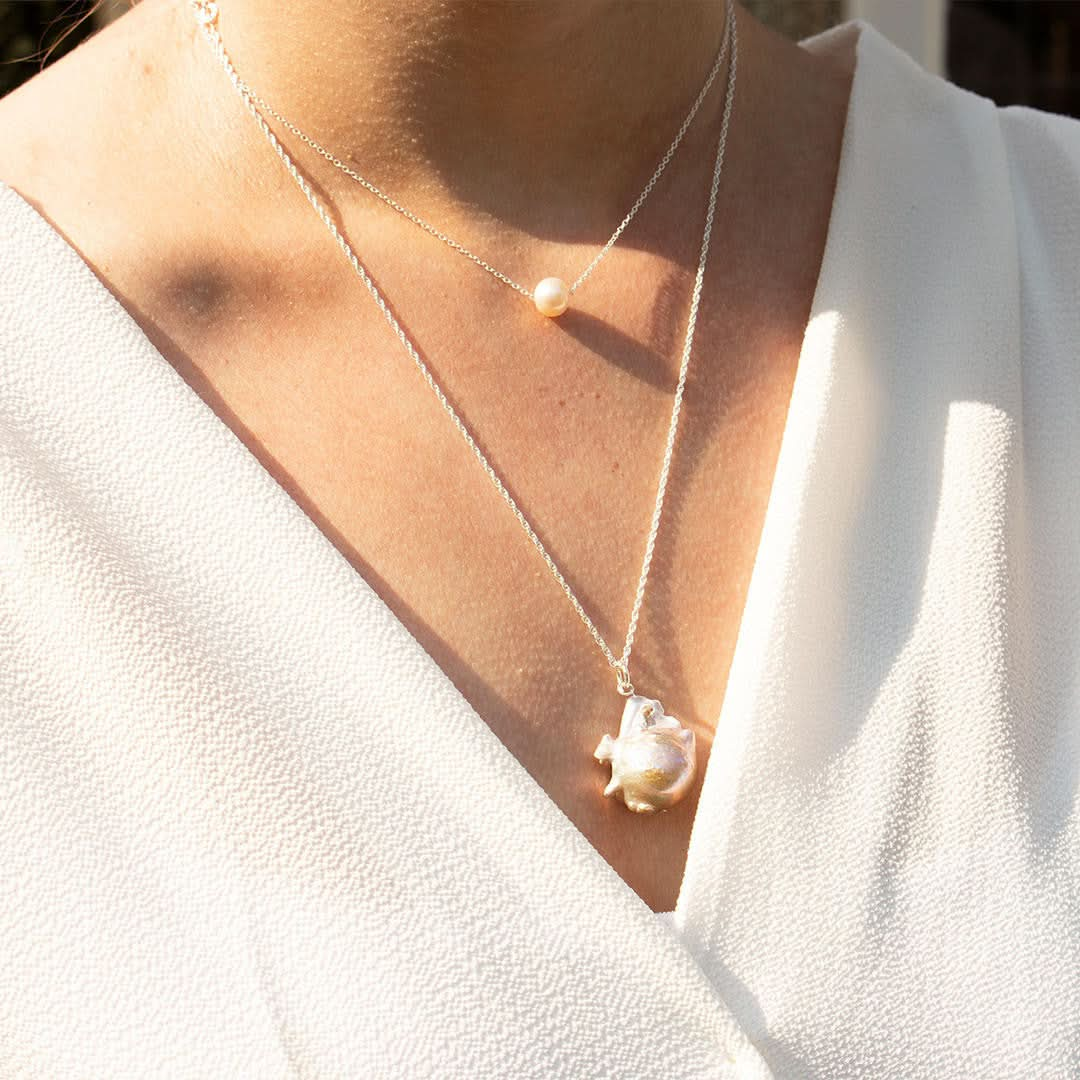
(551, 296)
(653, 759)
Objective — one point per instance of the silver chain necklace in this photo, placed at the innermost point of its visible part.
(653, 759)
(551, 295)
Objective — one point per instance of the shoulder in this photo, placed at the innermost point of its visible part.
(86, 119)
(78, 139)
(1043, 133)
(1007, 158)
(1043, 152)
(107, 143)
(108, 154)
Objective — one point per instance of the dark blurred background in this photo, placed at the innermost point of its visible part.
(1017, 52)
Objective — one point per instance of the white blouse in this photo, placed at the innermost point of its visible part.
(201, 874)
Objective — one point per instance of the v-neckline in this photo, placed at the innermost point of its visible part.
(812, 342)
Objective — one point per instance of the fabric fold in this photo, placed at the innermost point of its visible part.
(249, 826)
(875, 887)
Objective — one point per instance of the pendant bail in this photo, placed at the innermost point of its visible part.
(622, 675)
(206, 11)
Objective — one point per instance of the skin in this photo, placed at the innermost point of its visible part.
(526, 130)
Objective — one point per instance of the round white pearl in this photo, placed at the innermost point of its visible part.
(551, 296)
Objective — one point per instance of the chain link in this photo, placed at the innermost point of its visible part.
(206, 13)
(334, 160)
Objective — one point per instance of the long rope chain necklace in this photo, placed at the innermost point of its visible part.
(653, 758)
(551, 295)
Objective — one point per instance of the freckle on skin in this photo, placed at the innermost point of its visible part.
(562, 401)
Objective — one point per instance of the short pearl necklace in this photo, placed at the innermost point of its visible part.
(653, 758)
(552, 294)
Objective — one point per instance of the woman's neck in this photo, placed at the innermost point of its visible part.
(485, 102)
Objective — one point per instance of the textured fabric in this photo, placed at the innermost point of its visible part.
(200, 875)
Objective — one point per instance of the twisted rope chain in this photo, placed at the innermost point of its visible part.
(206, 13)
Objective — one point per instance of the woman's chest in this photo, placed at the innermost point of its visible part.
(359, 441)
